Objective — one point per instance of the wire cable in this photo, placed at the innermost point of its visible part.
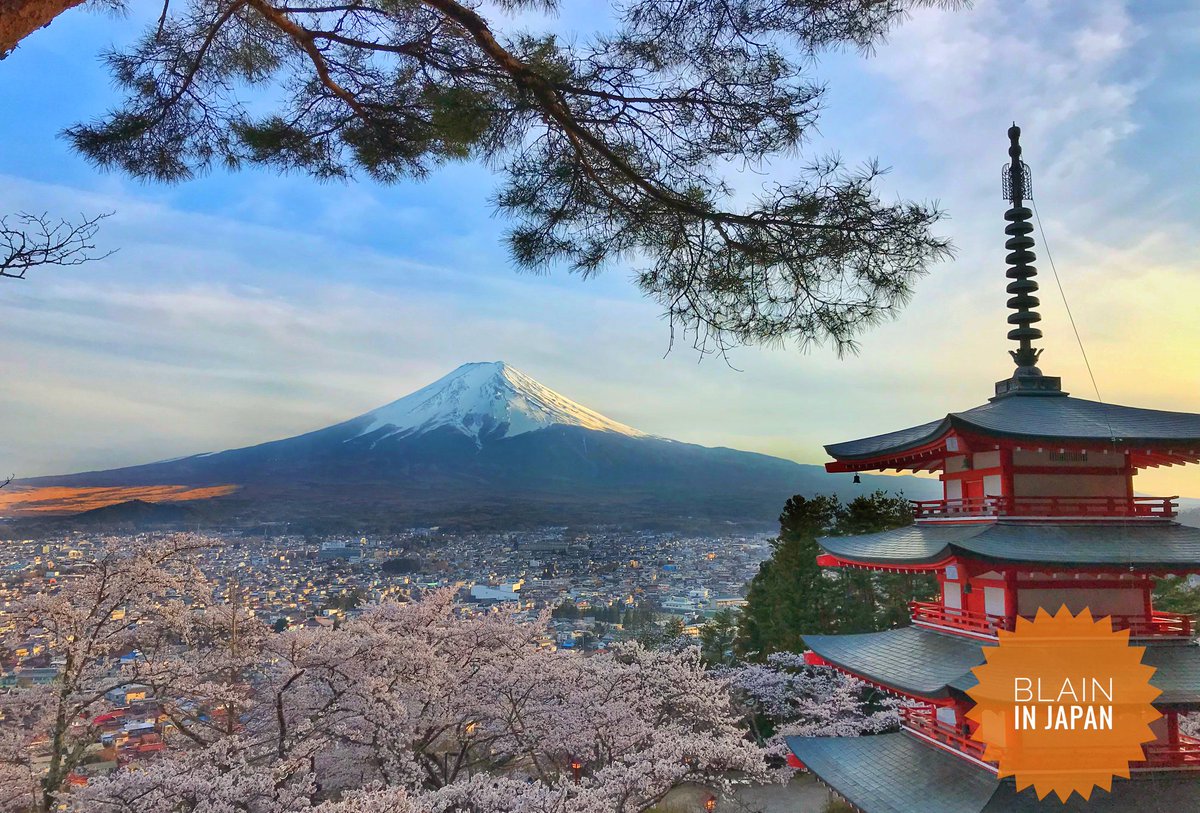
(1071, 318)
(1062, 292)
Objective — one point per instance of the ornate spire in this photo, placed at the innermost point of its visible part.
(1018, 187)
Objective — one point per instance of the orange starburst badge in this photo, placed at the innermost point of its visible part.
(1064, 703)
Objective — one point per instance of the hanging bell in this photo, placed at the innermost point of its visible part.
(857, 479)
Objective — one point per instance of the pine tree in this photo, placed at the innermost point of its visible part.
(790, 593)
(873, 600)
(607, 146)
(1177, 595)
(718, 636)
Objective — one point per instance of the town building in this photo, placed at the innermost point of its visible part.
(1039, 510)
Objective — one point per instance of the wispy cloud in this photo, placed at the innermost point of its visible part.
(251, 307)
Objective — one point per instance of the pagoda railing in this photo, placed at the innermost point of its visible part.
(930, 612)
(922, 720)
(1047, 507)
(1184, 753)
(1158, 624)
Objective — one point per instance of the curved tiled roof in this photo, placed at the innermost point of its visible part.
(890, 441)
(911, 660)
(918, 661)
(1137, 545)
(897, 773)
(1039, 418)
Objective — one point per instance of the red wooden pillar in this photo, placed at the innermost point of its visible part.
(1010, 598)
(1129, 479)
(1006, 474)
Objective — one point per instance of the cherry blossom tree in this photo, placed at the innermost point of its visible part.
(786, 697)
(1189, 724)
(29, 240)
(88, 624)
(407, 707)
(417, 707)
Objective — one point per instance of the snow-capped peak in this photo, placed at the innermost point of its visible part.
(482, 397)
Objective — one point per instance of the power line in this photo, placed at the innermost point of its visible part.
(1070, 316)
(1062, 292)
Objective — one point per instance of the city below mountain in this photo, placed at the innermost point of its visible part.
(484, 447)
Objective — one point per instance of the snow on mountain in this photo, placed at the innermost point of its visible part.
(485, 398)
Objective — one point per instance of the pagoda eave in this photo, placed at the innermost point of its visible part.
(1135, 547)
(935, 667)
(899, 772)
(908, 661)
(1149, 438)
(1002, 565)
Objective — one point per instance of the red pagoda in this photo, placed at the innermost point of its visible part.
(1038, 511)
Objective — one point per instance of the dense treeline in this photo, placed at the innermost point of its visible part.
(630, 617)
(791, 594)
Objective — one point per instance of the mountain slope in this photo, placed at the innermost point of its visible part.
(488, 445)
(485, 399)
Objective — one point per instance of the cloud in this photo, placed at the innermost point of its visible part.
(249, 307)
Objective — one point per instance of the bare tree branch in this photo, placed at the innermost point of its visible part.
(31, 240)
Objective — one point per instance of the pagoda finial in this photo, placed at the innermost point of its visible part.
(1017, 189)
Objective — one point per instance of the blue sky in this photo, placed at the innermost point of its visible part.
(244, 307)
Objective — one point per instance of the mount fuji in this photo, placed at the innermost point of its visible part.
(489, 447)
(486, 401)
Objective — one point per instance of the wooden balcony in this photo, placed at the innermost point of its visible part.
(1158, 625)
(934, 614)
(1046, 508)
(922, 720)
(1183, 754)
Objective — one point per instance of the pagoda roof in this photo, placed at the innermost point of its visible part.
(925, 663)
(1050, 418)
(897, 773)
(911, 660)
(1157, 546)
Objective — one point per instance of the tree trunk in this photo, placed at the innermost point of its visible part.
(20, 18)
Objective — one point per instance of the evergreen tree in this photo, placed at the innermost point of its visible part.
(873, 600)
(604, 144)
(790, 592)
(657, 636)
(718, 637)
(1175, 594)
